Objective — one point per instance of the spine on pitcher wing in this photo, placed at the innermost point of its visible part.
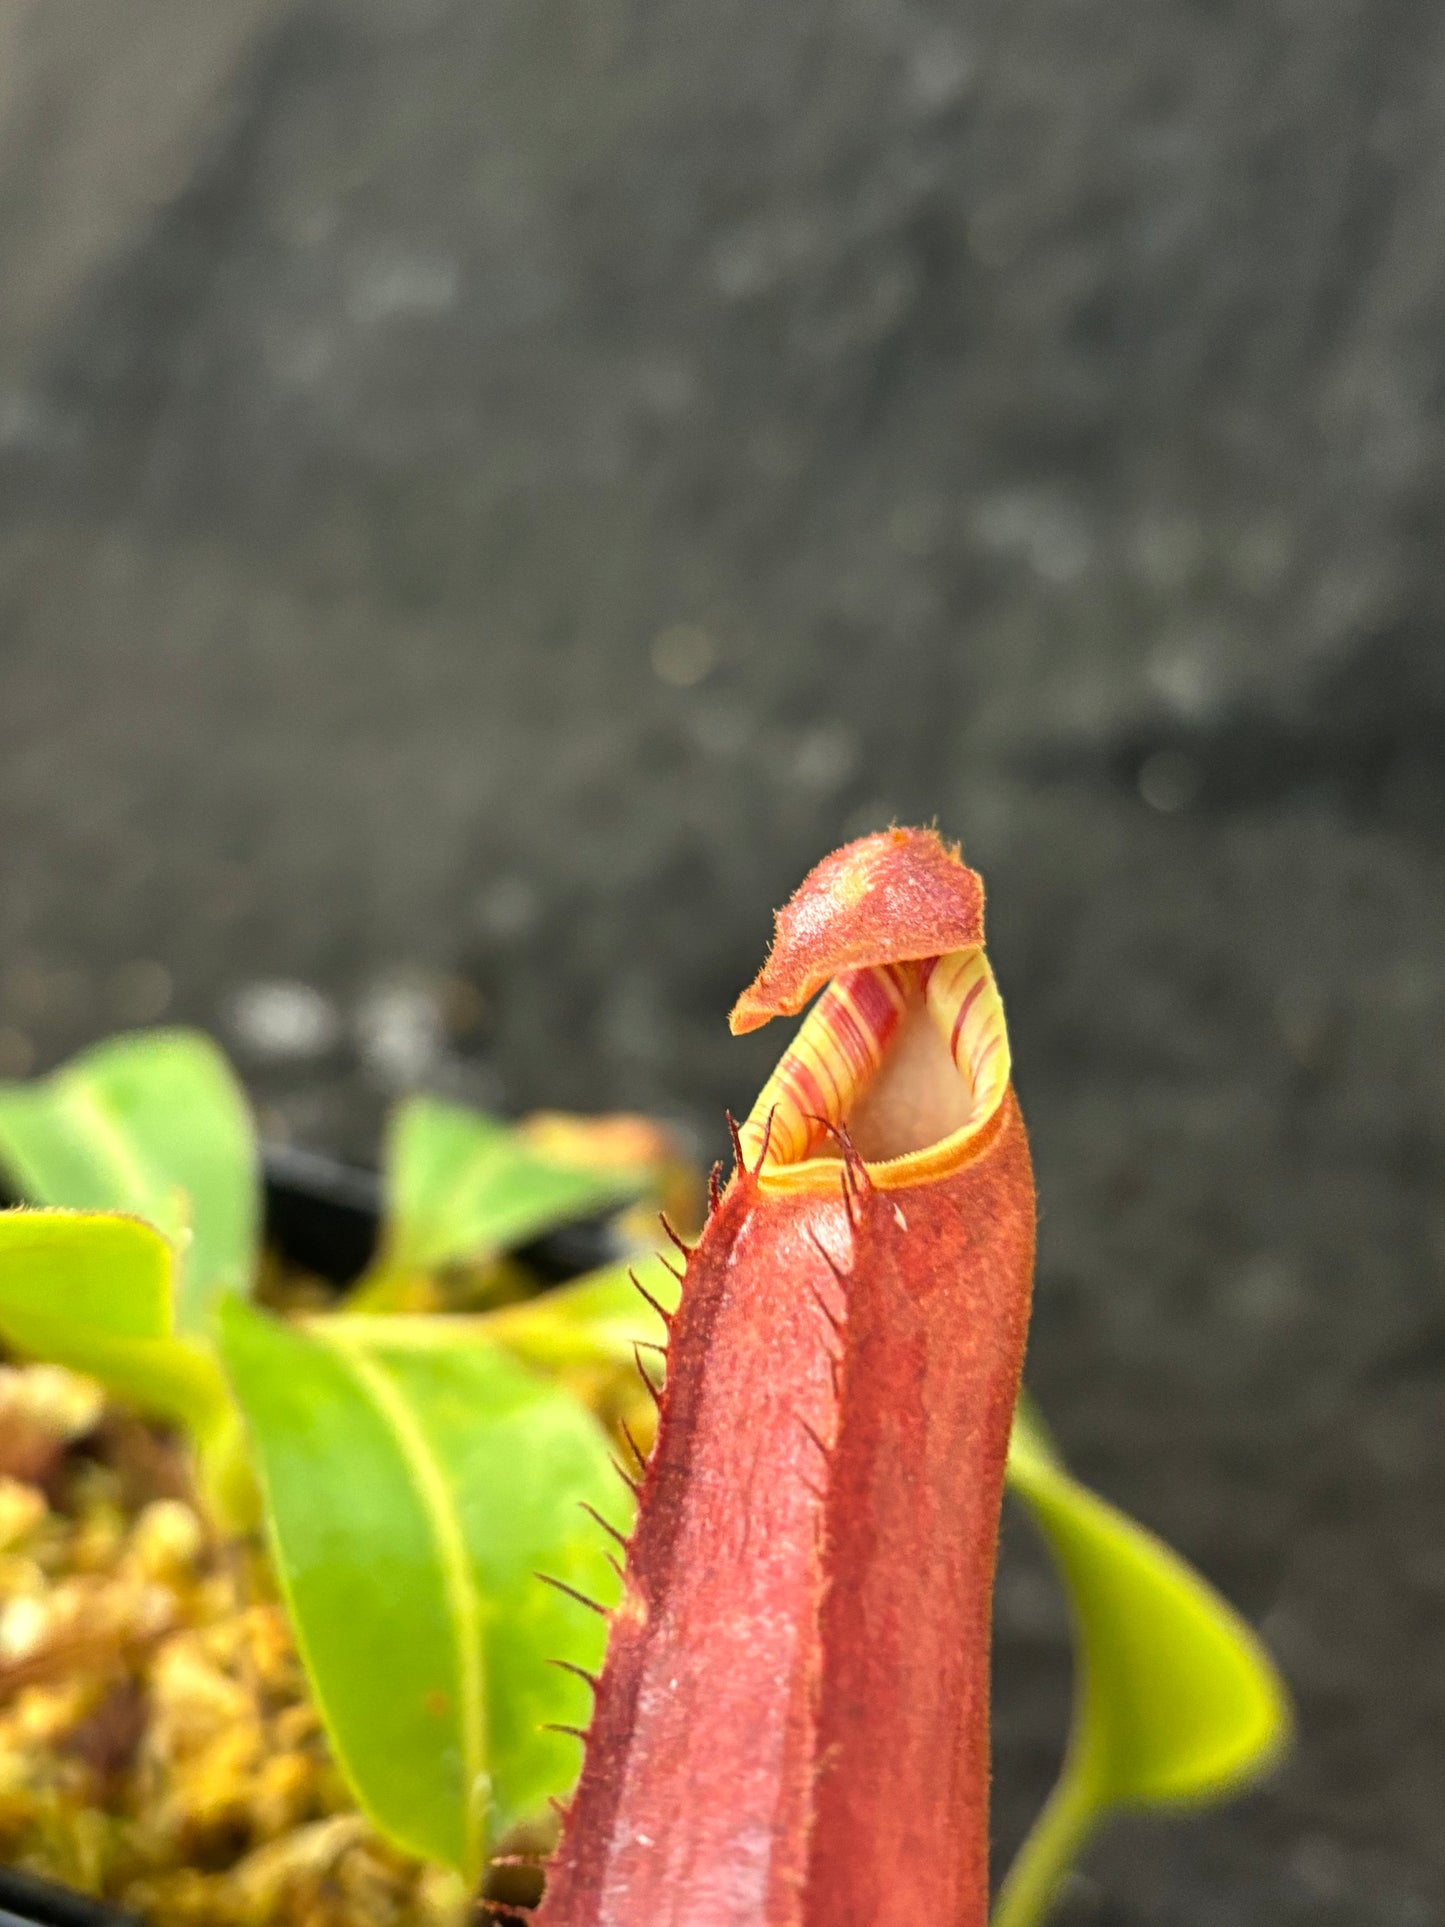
(791, 1727)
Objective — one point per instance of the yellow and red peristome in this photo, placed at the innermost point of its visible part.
(791, 1727)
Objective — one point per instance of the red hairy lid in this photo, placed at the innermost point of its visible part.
(894, 897)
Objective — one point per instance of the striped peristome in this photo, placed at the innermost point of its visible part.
(840, 1046)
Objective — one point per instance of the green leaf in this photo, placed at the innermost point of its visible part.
(416, 1480)
(94, 1291)
(109, 1276)
(1176, 1700)
(152, 1124)
(461, 1185)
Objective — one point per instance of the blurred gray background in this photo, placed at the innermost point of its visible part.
(491, 490)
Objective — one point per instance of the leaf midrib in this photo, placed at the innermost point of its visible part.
(462, 1602)
(84, 1101)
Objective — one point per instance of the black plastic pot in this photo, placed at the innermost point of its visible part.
(27, 1902)
(325, 1217)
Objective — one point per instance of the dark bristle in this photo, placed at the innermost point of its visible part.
(813, 1435)
(572, 1732)
(714, 1188)
(665, 1316)
(560, 1585)
(578, 1672)
(626, 1431)
(828, 1259)
(854, 1155)
(827, 1310)
(850, 1203)
(855, 1179)
(632, 1484)
(606, 1525)
(654, 1392)
(852, 1158)
(676, 1236)
(737, 1137)
(767, 1140)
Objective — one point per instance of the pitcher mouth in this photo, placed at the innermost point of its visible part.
(910, 1060)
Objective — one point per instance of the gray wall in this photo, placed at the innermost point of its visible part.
(489, 493)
